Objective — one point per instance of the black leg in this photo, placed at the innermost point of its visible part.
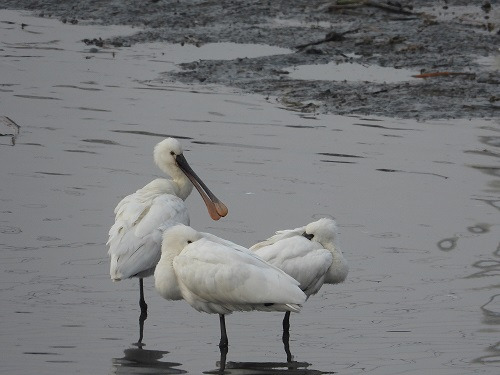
(142, 302)
(223, 335)
(222, 363)
(286, 336)
(286, 322)
(142, 318)
(144, 310)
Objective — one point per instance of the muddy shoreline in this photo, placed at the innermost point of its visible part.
(435, 37)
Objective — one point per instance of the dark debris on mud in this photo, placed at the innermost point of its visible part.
(425, 36)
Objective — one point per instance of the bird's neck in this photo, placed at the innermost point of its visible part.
(165, 278)
(178, 180)
(184, 186)
(168, 186)
(339, 268)
(167, 260)
(336, 252)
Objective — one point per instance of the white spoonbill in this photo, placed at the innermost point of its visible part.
(217, 277)
(308, 254)
(135, 237)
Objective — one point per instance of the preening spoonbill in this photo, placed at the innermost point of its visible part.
(308, 254)
(135, 237)
(217, 277)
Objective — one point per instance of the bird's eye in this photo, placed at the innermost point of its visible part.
(189, 241)
(172, 153)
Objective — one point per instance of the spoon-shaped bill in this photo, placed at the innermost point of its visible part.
(216, 208)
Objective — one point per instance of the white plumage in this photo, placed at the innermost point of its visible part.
(216, 277)
(308, 254)
(135, 237)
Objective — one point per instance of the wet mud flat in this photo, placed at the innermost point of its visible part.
(417, 204)
(454, 43)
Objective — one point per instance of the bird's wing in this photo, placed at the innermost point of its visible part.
(164, 209)
(222, 241)
(136, 256)
(135, 238)
(304, 260)
(279, 235)
(240, 248)
(221, 274)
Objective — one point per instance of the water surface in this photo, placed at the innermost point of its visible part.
(417, 205)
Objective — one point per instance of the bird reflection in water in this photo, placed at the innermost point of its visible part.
(491, 317)
(289, 367)
(139, 360)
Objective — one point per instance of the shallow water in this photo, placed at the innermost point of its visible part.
(417, 205)
(351, 72)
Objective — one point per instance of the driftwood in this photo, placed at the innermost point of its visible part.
(443, 74)
(330, 37)
(347, 4)
(10, 129)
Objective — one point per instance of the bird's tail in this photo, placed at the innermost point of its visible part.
(293, 307)
(113, 269)
(281, 307)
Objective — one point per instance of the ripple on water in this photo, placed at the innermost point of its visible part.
(34, 205)
(85, 262)
(101, 141)
(492, 307)
(21, 272)
(151, 134)
(479, 228)
(6, 229)
(493, 358)
(448, 244)
(487, 268)
(17, 260)
(401, 250)
(318, 216)
(386, 235)
(82, 151)
(41, 353)
(47, 238)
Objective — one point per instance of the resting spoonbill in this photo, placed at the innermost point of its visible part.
(308, 254)
(135, 237)
(217, 277)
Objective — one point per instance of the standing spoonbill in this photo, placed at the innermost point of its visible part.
(217, 277)
(308, 254)
(135, 237)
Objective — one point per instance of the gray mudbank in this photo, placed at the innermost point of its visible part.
(430, 37)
